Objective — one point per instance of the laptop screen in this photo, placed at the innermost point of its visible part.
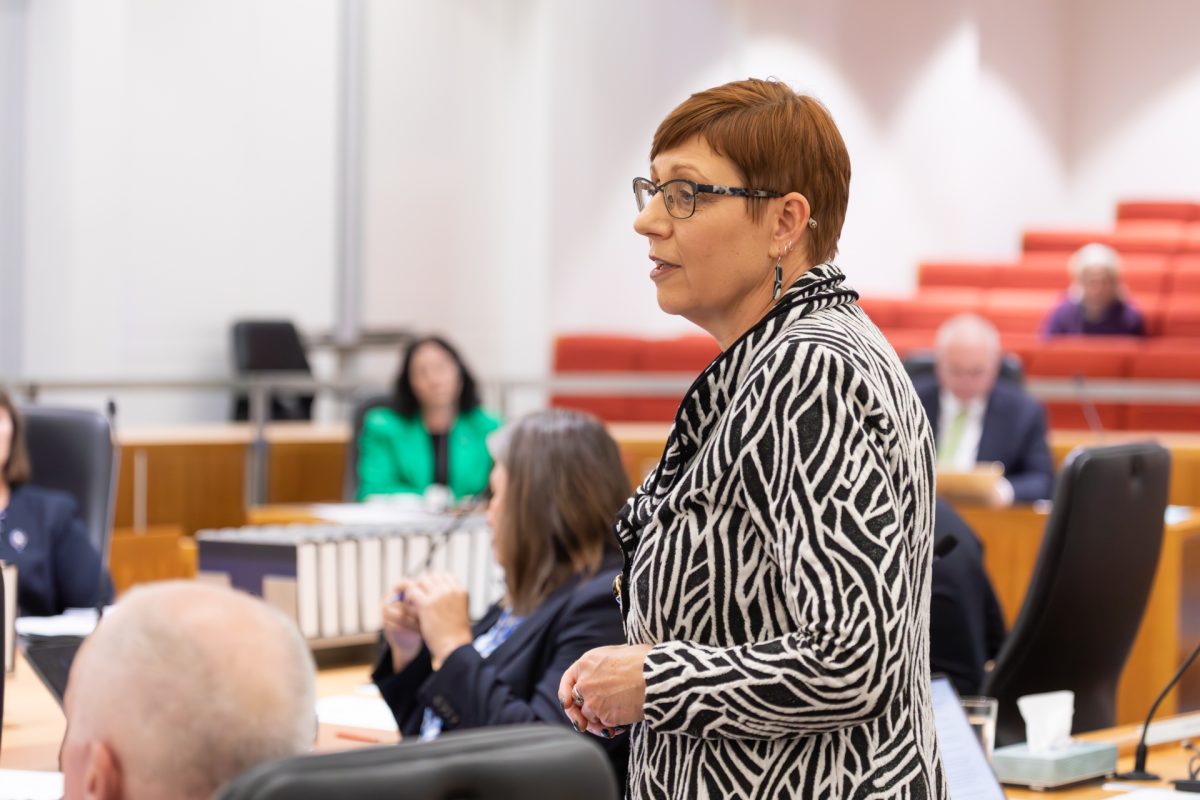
(51, 657)
(967, 769)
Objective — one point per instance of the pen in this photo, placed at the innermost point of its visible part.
(357, 737)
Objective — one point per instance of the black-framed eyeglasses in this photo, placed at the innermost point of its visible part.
(680, 194)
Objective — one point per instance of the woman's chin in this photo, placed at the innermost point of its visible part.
(672, 302)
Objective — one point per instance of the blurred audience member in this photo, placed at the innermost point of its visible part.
(966, 626)
(435, 432)
(557, 486)
(180, 688)
(1096, 302)
(978, 419)
(42, 534)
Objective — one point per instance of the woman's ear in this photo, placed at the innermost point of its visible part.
(791, 222)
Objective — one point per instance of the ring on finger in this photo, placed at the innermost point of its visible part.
(577, 696)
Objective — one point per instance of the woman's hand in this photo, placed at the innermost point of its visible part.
(440, 603)
(604, 690)
(401, 628)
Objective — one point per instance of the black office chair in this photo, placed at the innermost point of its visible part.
(361, 407)
(922, 363)
(1089, 587)
(264, 346)
(517, 762)
(72, 450)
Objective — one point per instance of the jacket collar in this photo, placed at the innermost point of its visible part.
(705, 402)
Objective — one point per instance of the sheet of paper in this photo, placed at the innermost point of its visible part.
(20, 784)
(72, 622)
(356, 711)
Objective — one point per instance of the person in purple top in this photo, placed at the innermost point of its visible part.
(1095, 304)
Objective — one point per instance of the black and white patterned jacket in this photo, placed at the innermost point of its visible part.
(779, 559)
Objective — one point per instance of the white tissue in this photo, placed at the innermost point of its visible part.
(1047, 720)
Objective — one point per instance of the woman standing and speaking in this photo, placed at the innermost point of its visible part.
(777, 561)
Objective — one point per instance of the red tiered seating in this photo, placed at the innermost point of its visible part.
(883, 311)
(1185, 277)
(958, 274)
(1183, 210)
(1182, 316)
(932, 307)
(1081, 358)
(687, 355)
(588, 353)
(1171, 362)
(1019, 310)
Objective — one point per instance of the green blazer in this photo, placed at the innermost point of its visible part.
(396, 454)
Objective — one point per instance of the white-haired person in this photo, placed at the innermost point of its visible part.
(1096, 304)
(979, 419)
(181, 687)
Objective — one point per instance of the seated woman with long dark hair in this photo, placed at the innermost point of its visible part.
(41, 533)
(434, 433)
(557, 485)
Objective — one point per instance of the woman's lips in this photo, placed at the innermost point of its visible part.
(662, 268)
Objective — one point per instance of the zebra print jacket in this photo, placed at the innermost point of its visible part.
(778, 559)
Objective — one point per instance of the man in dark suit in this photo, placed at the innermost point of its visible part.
(966, 626)
(978, 419)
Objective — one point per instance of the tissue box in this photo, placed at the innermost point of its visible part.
(1079, 761)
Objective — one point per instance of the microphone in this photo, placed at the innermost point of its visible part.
(1138, 773)
(1089, 408)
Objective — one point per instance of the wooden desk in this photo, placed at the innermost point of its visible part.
(642, 444)
(34, 724)
(195, 476)
(1170, 627)
(1167, 760)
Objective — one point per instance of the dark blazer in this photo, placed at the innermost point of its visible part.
(1014, 433)
(519, 681)
(57, 566)
(966, 626)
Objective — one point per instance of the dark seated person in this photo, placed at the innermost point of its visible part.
(978, 419)
(966, 626)
(1096, 304)
(435, 433)
(557, 484)
(41, 533)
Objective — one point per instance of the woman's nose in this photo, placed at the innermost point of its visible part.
(653, 220)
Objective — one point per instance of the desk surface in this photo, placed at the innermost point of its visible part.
(34, 724)
(33, 730)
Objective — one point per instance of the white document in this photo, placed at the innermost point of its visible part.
(348, 580)
(72, 622)
(389, 513)
(20, 784)
(331, 623)
(370, 582)
(356, 711)
(968, 772)
(308, 601)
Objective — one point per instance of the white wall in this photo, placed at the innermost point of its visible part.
(1134, 72)
(180, 156)
(12, 149)
(179, 174)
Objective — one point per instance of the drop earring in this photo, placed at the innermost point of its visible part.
(778, 278)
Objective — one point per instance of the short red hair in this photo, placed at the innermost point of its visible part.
(779, 140)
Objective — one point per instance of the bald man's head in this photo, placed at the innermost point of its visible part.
(181, 687)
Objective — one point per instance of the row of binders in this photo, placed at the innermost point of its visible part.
(332, 579)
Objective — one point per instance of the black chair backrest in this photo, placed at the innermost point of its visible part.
(519, 761)
(1089, 588)
(72, 450)
(922, 363)
(361, 407)
(271, 346)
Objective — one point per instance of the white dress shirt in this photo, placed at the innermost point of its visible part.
(966, 453)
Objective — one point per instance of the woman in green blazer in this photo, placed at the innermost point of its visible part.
(436, 432)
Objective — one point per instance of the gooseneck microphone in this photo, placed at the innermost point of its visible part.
(1090, 414)
(1138, 773)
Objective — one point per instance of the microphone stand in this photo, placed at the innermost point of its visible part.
(1139, 773)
